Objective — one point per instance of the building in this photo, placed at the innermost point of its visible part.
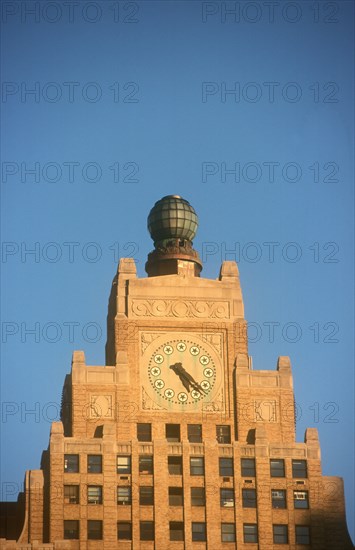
(176, 443)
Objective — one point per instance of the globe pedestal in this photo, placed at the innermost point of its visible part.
(175, 258)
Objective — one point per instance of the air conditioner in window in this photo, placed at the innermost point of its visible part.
(277, 494)
(228, 503)
(300, 495)
(72, 500)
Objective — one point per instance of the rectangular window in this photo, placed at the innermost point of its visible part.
(176, 530)
(198, 531)
(280, 534)
(175, 465)
(277, 467)
(146, 496)
(71, 464)
(71, 494)
(194, 433)
(94, 529)
(228, 532)
(172, 432)
(300, 499)
(278, 498)
(226, 467)
(227, 498)
(197, 465)
(303, 534)
(124, 495)
(146, 464)
(248, 467)
(198, 497)
(249, 498)
(71, 529)
(124, 464)
(144, 432)
(176, 496)
(146, 530)
(223, 434)
(94, 464)
(299, 468)
(250, 531)
(94, 494)
(124, 530)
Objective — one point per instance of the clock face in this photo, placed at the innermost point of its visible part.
(181, 371)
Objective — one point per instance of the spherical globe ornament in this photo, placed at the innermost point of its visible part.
(172, 217)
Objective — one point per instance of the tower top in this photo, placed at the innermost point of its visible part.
(172, 224)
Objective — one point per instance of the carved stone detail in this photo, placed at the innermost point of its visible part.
(147, 338)
(215, 340)
(148, 404)
(181, 308)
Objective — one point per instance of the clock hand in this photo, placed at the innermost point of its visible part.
(186, 378)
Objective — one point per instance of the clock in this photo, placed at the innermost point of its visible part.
(181, 371)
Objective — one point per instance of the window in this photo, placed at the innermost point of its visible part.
(248, 467)
(124, 464)
(228, 532)
(71, 464)
(277, 467)
(146, 530)
(172, 432)
(71, 529)
(124, 530)
(249, 498)
(250, 531)
(280, 534)
(194, 433)
(176, 496)
(94, 529)
(198, 531)
(198, 497)
(197, 465)
(300, 499)
(299, 468)
(227, 498)
(176, 529)
(223, 434)
(71, 494)
(94, 464)
(146, 496)
(94, 494)
(124, 495)
(144, 432)
(303, 534)
(226, 467)
(146, 464)
(175, 465)
(278, 498)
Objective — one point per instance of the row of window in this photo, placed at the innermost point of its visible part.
(176, 531)
(277, 465)
(176, 496)
(194, 433)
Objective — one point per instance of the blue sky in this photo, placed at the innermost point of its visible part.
(136, 100)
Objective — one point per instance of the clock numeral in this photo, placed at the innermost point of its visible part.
(168, 350)
(159, 384)
(158, 359)
(182, 397)
(194, 350)
(204, 360)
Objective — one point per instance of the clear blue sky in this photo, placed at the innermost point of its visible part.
(133, 101)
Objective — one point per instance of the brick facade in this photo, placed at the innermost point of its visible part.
(284, 502)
